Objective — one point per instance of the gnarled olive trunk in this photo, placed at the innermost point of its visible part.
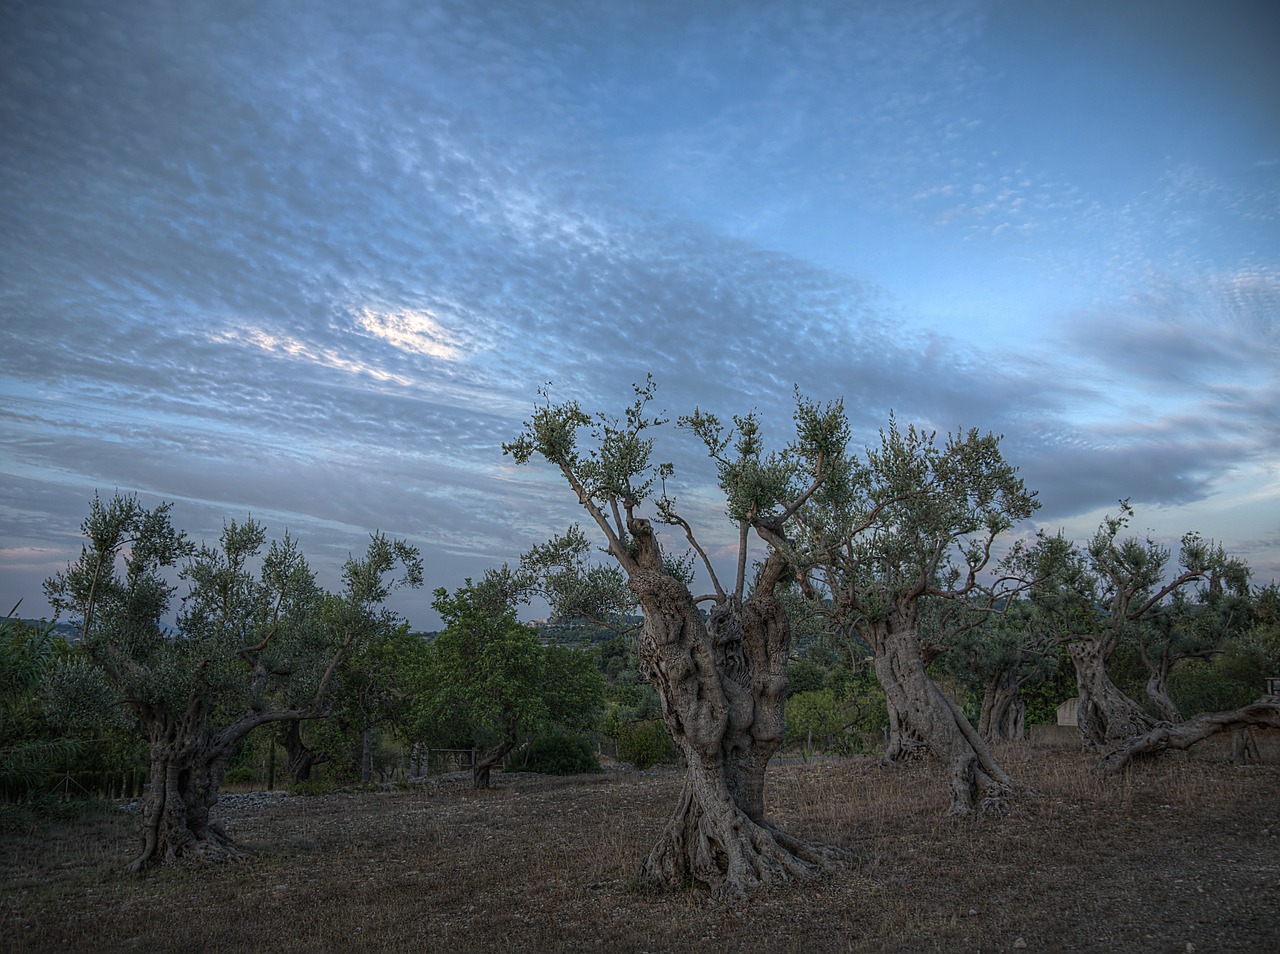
(188, 762)
(300, 757)
(1158, 693)
(1004, 711)
(722, 683)
(186, 776)
(1106, 716)
(922, 718)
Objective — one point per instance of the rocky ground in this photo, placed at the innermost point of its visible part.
(1178, 855)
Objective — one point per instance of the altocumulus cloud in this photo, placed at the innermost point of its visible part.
(313, 262)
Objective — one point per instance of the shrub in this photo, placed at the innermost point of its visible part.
(645, 743)
(556, 753)
(240, 775)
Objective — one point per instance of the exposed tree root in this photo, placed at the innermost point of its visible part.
(215, 847)
(727, 854)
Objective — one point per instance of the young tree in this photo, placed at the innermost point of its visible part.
(251, 648)
(721, 677)
(487, 674)
(899, 548)
(484, 670)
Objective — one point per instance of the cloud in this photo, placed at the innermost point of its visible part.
(314, 263)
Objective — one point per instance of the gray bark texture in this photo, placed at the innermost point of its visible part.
(923, 719)
(188, 762)
(1004, 712)
(722, 682)
(186, 775)
(1106, 716)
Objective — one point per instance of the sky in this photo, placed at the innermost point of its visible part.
(311, 262)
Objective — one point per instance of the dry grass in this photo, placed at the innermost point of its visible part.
(1176, 853)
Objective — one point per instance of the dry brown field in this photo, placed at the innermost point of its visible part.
(1179, 855)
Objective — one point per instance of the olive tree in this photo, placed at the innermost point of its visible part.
(487, 678)
(257, 642)
(901, 548)
(720, 675)
(1121, 590)
(997, 661)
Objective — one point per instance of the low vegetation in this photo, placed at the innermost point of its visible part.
(1173, 855)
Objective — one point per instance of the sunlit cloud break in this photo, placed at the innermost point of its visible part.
(417, 332)
(292, 348)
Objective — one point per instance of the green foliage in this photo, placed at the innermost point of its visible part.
(373, 692)
(33, 752)
(557, 752)
(486, 677)
(1005, 648)
(562, 572)
(903, 535)
(846, 714)
(645, 744)
(819, 719)
(572, 688)
(240, 775)
(1058, 685)
(257, 639)
(313, 786)
(804, 675)
(1231, 680)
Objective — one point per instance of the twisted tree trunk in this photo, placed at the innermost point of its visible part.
(922, 718)
(1106, 716)
(186, 776)
(722, 683)
(1158, 693)
(188, 762)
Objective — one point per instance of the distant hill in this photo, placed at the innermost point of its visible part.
(67, 631)
(574, 632)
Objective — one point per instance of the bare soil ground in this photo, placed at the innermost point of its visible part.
(1179, 855)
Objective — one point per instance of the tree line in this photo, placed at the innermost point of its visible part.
(858, 578)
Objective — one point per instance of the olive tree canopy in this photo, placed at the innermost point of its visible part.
(721, 676)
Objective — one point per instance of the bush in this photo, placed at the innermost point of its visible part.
(556, 753)
(240, 775)
(645, 743)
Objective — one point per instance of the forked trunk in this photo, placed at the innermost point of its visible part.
(186, 775)
(1106, 716)
(722, 683)
(922, 718)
